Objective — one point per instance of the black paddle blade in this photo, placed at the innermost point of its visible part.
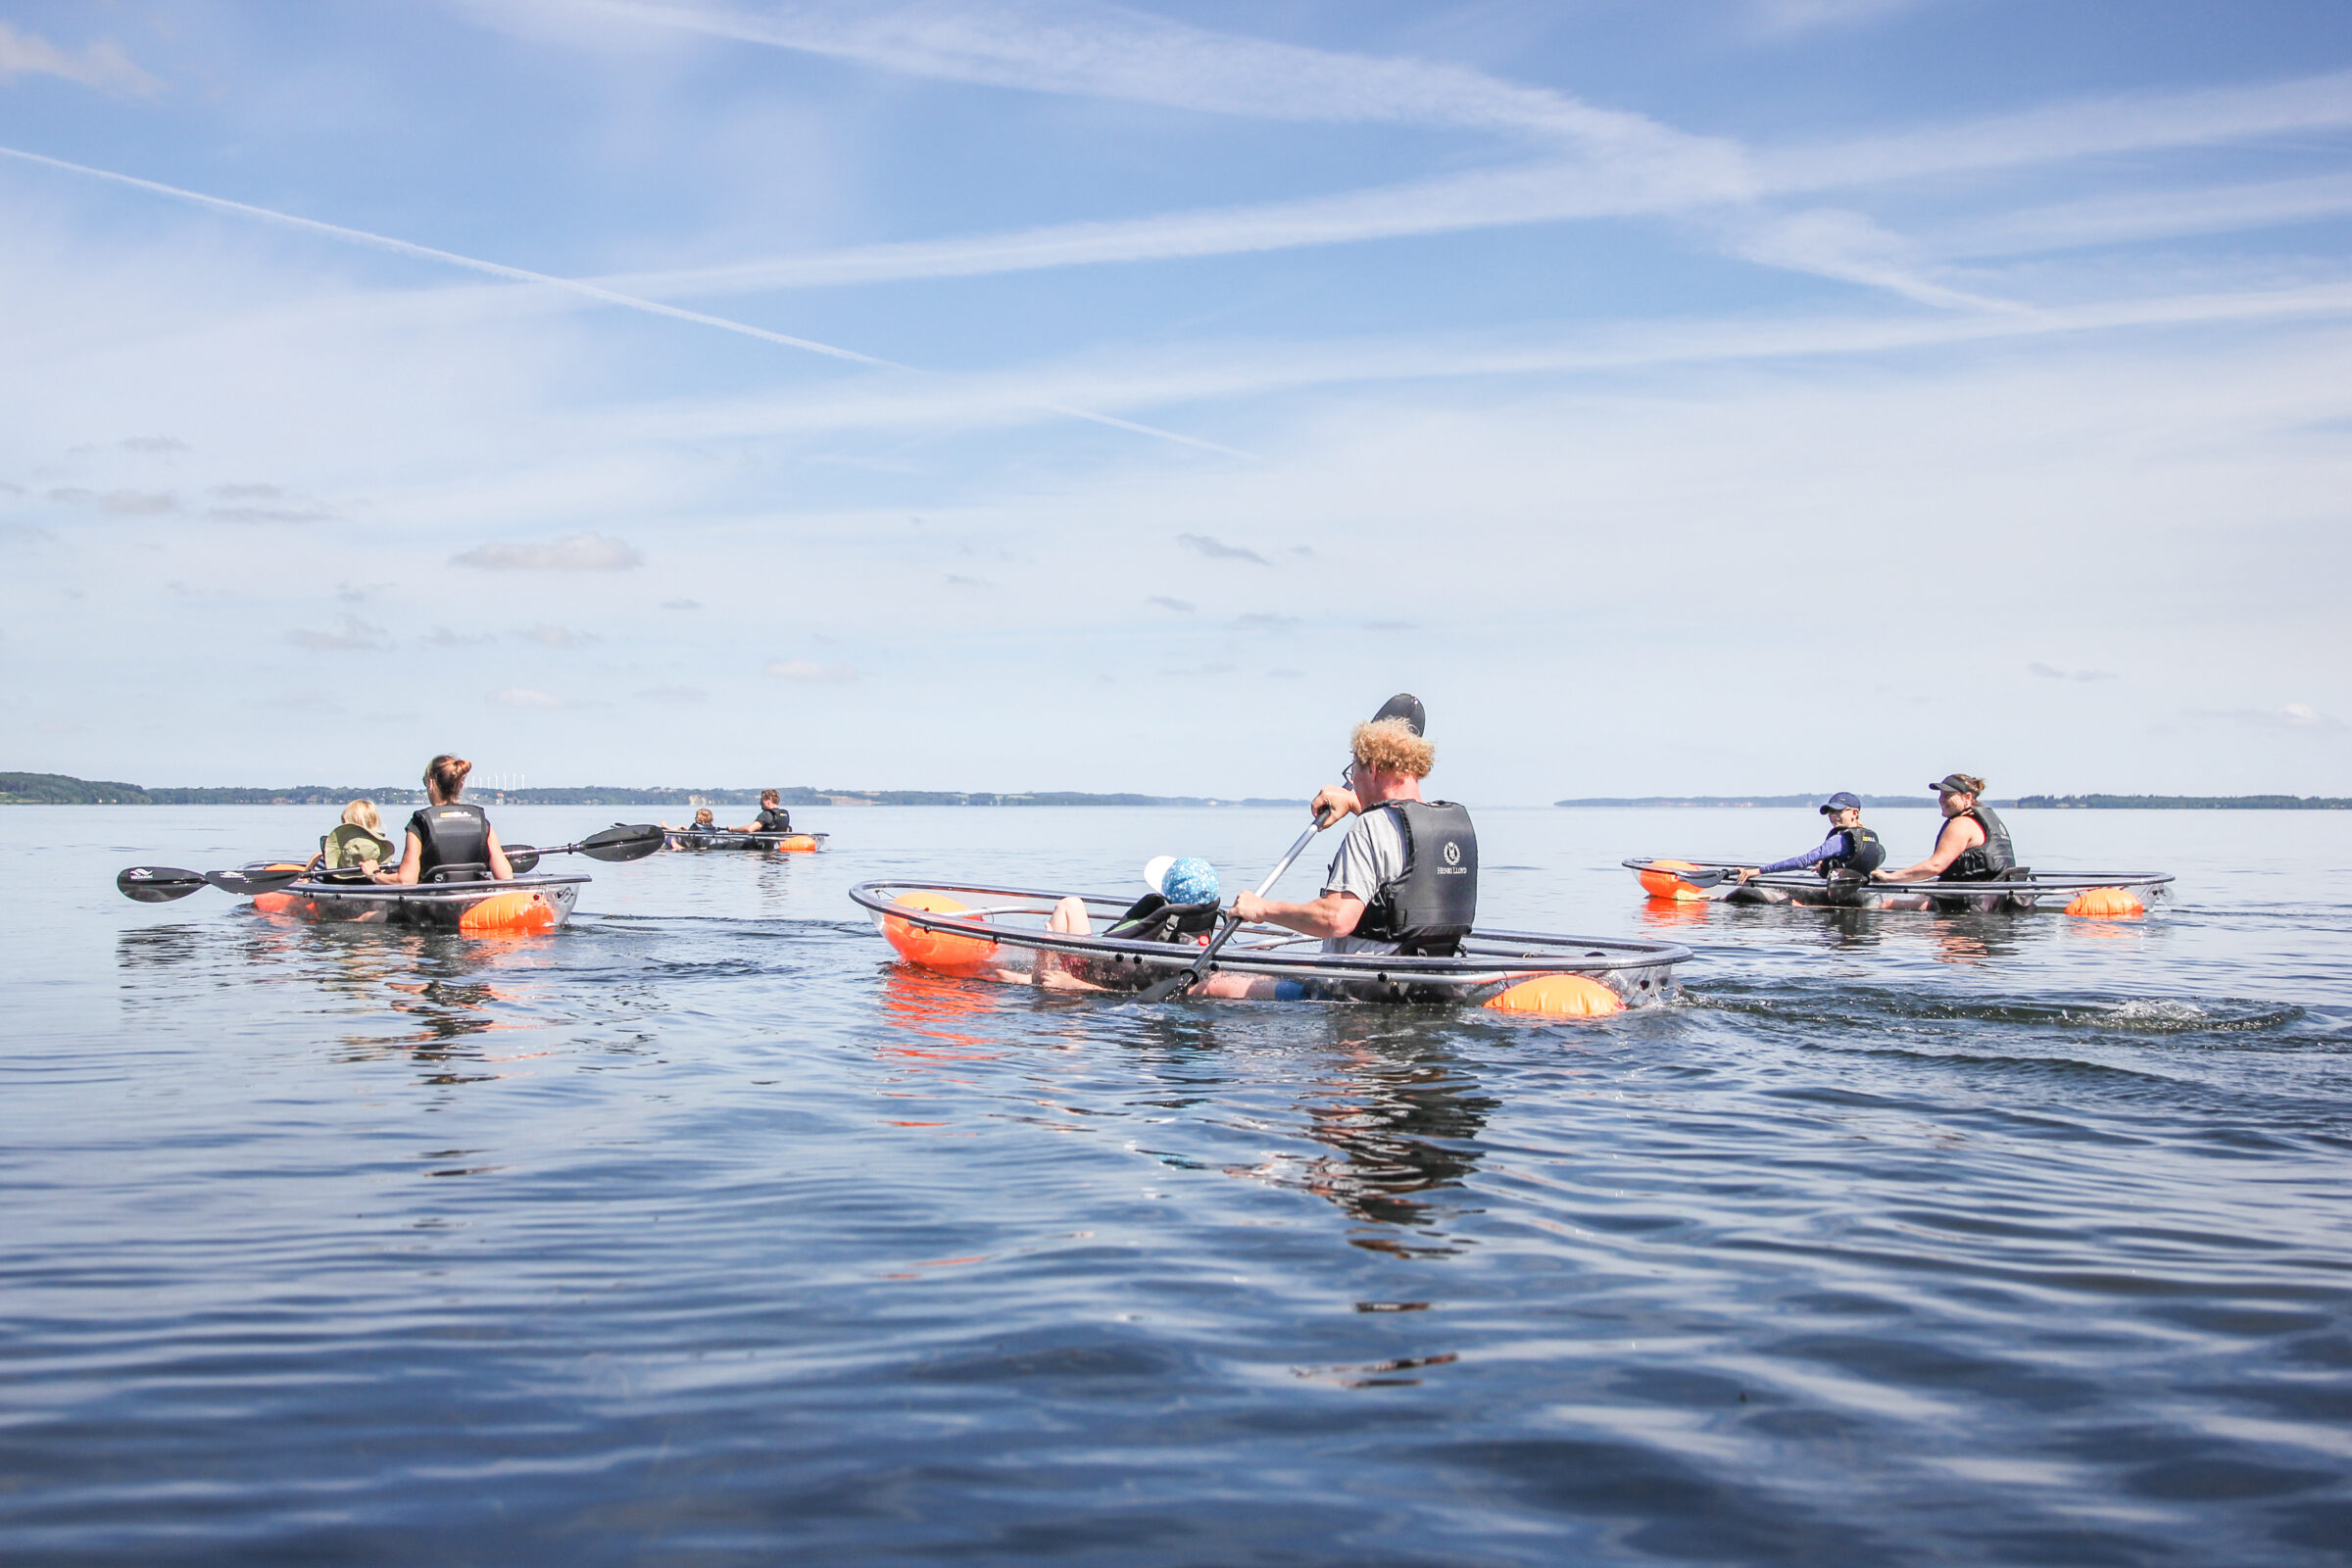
(1174, 985)
(158, 884)
(624, 841)
(1404, 705)
(522, 859)
(248, 883)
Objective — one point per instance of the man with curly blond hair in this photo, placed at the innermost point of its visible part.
(1406, 879)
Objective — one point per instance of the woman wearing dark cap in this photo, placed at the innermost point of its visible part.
(1973, 845)
(1851, 847)
(449, 841)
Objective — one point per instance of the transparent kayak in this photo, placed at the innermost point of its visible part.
(520, 906)
(2022, 892)
(1000, 933)
(688, 839)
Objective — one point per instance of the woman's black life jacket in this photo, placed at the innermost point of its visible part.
(774, 820)
(1864, 854)
(1153, 918)
(1988, 860)
(456, 841)
(1431, 908)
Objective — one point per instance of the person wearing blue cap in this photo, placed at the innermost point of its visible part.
(1851, 847)
(1182, 906)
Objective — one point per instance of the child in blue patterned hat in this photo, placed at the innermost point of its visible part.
(1181, 908)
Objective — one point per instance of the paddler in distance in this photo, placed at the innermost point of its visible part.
(1973, 845)
(1406, 878)
(449, 841)
(1849, 846)
(773, 818)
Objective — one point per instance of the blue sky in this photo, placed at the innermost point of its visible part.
(1682, 397)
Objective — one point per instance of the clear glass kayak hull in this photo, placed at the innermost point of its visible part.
(787, 843)
(1001, 934)
(518, 907)
(2097, 894)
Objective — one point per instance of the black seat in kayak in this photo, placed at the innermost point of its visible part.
(458, 871)
(1153, 918)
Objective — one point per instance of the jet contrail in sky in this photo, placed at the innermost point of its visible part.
(519, 274)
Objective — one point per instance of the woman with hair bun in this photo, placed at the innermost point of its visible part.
(449, 841)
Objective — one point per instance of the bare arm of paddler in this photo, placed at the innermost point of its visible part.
(1960, 835)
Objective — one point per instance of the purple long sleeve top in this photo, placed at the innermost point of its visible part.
(1829, 849)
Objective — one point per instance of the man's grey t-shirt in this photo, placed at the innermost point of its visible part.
(1372, 854)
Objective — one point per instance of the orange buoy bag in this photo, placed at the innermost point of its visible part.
(948, 952)
(1559, 995)
(2106, 904)
(1659, 881)
(507, 914)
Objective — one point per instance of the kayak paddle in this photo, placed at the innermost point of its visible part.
(161, 884)
(1183, 981)
(158, 884)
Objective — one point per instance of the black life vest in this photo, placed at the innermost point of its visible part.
(1864, 854)
(1431, 908)
(456, 842)
(774, 820)
(1988, 860)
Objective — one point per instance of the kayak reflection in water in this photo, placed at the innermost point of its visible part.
(358, 842)
(449, 841)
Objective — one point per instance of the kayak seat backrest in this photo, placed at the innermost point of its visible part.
(458, 871)
(1153, 918)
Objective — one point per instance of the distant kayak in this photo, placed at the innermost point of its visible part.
(996, 933)
(2091, 893)
(517, 908)
(688, 839)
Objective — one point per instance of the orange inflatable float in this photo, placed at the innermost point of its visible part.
(1559, 995)
(1659, 881)
(508, 914)
(2106, 904)
(945, 951)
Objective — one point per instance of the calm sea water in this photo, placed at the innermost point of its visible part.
(701, 1233)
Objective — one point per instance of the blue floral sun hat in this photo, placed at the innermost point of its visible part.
(1189, 880)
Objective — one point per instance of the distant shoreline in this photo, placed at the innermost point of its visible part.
(61, 789)
(2031, 802)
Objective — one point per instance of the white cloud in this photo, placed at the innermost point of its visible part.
(1717, 176)
(118, 502)
(2293, 716)
(351, 635)
(524, 697)
(2053, 672)
(548, 636)
(100, 64)
(1202, 544)
(579, 551)
(1104, 51)
(809, 669)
